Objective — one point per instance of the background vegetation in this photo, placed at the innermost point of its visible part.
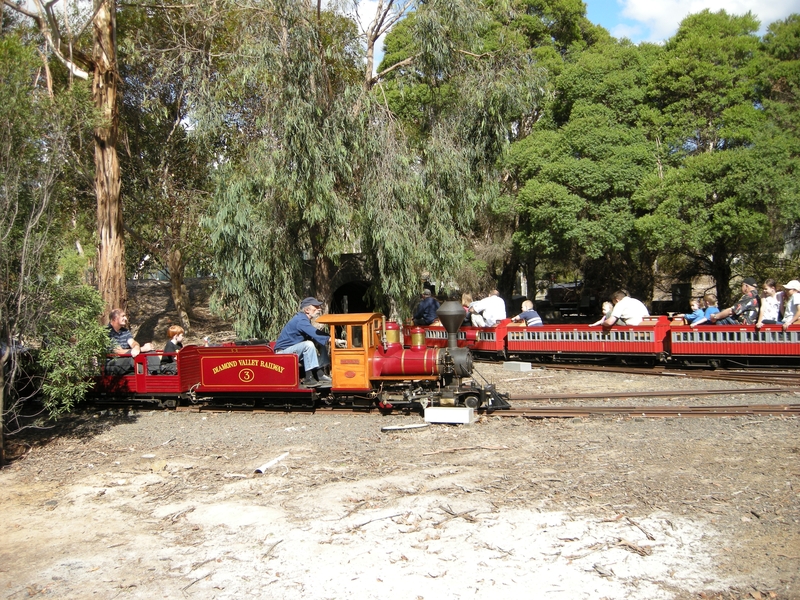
(260, 143)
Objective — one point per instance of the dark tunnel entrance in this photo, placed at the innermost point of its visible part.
(350, 298)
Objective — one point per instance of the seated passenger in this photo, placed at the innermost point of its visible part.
(489, 311)
(300, 337)
(426, 309)
(711, 309)
(607, 308)
(529, 316)
(627, 310)
(169, 366)
(791, 315)
(696, 314)
(466, 300)
(771, 303)
(745, 311)
(123, 347)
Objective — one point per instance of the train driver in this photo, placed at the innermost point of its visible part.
(627, 310)
(426, 310)
(300, 337)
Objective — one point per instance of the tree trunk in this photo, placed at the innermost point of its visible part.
(323, 275)
(508, 279)
(175, 267)
(721, 272)
(111, 255)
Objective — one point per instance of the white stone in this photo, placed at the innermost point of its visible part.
(462, 415)
(516, 366)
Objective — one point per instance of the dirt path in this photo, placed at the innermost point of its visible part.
(166, 504)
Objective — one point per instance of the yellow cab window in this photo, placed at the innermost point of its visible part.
(357, 336)
(341, 334)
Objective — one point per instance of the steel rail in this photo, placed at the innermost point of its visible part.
(661, 371)
(650, 394)
(791, 410)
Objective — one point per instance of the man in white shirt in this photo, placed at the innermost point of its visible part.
(489, 311)
(627, 310)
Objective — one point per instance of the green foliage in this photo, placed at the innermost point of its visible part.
(731, 192)
(673, 152)
(579, 170)
(166, 187)
(73, 339)
(703, 85)
(331, 169)
(38, 134)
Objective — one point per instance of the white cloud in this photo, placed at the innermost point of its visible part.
(662, 17)
(632, 32)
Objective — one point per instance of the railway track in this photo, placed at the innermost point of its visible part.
(791, 378)
(543, 412)
(651, 394)
(572, 411)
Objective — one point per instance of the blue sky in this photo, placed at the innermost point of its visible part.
(657, 20)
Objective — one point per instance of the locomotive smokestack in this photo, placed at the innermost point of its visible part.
(451, 314)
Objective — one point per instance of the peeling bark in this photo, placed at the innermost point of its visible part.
(180, 298)
(111, 255)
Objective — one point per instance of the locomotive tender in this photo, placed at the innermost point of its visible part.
(656, 339)
(369, 367)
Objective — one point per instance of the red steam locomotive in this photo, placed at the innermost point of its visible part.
(370, 367)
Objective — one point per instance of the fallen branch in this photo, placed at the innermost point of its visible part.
(451, 450)
(354, 527)
(640, 550)
(454, 515)
(181, 513)
(183, 589)
(271, 548)
(649, 535)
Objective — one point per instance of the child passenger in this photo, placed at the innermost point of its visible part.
(711, 308)
(607, 309)
(697, 312)
(529, 316)
(168, 364)
(771, 304)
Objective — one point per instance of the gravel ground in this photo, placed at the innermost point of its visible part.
(142, 504)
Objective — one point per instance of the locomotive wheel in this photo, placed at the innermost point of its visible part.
(471, 401)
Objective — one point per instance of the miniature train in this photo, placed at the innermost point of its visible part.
(370, 367)
(656, 340)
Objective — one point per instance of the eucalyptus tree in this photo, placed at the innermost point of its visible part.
(64, 28)
(517, 50)
(317, 164)
(166, 187)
